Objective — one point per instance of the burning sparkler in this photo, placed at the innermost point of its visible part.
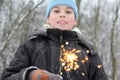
(69, 59)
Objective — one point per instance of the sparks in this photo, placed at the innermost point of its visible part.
(84, 60)
(69, 59)
(99, 66)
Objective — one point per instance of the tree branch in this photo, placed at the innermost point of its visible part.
(17, 26)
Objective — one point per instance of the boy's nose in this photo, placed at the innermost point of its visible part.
(62, 16)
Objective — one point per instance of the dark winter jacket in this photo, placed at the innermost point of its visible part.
(42, 51)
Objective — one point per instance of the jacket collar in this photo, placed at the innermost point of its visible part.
(61, 34)
(47, 26)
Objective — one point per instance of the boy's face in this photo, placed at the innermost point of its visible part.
(62, 17)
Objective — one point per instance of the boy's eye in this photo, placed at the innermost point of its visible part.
(56, 11)
(68, 12)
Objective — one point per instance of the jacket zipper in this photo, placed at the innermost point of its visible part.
(60, 43)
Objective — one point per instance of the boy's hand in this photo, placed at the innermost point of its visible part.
(44, 75)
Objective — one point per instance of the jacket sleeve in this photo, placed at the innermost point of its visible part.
(96, 70)
(19, 66)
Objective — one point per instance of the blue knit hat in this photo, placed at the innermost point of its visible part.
(70, 3)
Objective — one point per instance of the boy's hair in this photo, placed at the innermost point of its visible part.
(70, 3)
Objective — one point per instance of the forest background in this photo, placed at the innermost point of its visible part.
(99, 22)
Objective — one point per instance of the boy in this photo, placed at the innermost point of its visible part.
(57, 53)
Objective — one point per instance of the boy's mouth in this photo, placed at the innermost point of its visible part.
(62, 22)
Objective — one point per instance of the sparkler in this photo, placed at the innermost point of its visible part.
(69, 59)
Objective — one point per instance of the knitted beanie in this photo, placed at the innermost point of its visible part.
(70, 3)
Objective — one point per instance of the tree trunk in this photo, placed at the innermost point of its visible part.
(114, 60)
(95, 39)
(79, 17)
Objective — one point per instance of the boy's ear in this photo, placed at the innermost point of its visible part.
(48, 20)
(75, 22)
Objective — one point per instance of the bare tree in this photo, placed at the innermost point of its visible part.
(1, 1)
(13, 26)
(97, 11)
(19, 21)
(114, 60)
